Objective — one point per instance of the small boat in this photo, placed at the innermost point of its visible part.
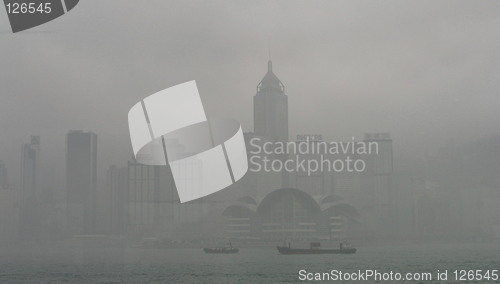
(222, 250)
(315, 249)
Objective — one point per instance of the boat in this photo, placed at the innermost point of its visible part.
(315, 249)
(222, 250)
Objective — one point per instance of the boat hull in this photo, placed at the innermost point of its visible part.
(287, 250)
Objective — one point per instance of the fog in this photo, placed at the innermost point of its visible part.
(426, 72)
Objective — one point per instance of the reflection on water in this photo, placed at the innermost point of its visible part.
(90, 264)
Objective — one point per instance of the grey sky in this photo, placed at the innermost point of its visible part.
(426, 71)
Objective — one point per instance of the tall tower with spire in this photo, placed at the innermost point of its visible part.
(270, 106)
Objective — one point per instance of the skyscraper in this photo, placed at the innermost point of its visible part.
(117, 184)
(9, 208)
(81, 170)
(271, 107)
(4, 183)
(153, 202)
(29, 186)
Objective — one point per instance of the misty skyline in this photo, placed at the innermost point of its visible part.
(424, 73)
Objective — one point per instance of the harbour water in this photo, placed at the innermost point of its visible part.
(66, 264)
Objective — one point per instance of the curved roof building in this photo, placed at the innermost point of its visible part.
(288, 213)
(286, 195)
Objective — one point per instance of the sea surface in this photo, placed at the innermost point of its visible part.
(87, 264)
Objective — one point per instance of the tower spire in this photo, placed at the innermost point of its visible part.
(269, 63)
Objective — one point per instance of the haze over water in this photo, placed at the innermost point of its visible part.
(421, 78)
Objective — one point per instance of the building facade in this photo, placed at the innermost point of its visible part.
(271, 107)
(320, 204)
(29, 221)
(116, 183)
(81, 182)
(9, 208)
(289, 214)
(153, 206)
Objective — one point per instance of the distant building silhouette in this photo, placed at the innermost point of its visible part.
(81, 167)
(377, 191)
(271, 107)
(370, 190)
(29, 187)
(154, 208)
(145, 216)
(9, 208)
(4, 182)
(116, 182)
(289, 214)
